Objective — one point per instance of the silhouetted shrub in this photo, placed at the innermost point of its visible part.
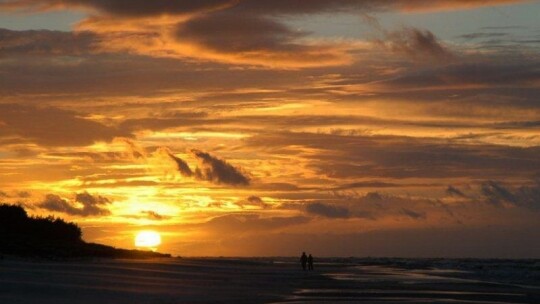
(55, 229)
(15, 221)
(52, 237)
(12, 218)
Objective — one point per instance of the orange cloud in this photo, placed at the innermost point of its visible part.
(140, 8)
(235, 31)
(224, 38)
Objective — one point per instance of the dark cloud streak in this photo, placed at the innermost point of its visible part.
(500, 195)
(181, 165)
(416, 44)
(142, 8)
(91, 205)
(211, 169)
(328, 210)
(218, 171)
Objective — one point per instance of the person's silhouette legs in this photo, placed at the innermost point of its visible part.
(303, 260)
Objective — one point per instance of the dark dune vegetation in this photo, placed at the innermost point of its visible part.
(50, 237)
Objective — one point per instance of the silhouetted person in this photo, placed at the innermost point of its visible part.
(303, 260)
(310, 262)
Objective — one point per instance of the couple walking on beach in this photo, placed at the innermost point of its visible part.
(307, 261)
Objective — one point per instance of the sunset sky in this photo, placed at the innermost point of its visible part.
(269, 127)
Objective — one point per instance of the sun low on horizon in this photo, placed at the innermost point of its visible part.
(267, 128)
(147, 240)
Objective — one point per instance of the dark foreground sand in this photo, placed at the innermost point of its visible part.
(169, 281)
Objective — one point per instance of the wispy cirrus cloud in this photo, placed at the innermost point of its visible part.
(402, 157)
(49, 126)
(249, 32)
(46, 43)
(416, 44)
(275, 126)
(143, 8)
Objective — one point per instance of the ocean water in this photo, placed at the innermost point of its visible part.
(270, 280)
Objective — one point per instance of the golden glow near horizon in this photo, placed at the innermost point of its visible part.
(263, 128)
(148, 239)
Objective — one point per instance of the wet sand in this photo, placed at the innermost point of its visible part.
(168, 281)
(379, 284)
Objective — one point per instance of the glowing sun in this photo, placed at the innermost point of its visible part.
(148, 239)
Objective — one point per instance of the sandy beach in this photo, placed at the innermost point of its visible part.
(168, 281)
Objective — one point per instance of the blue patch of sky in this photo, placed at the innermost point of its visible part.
(521, 19)
(448, 25)
(60, 20)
